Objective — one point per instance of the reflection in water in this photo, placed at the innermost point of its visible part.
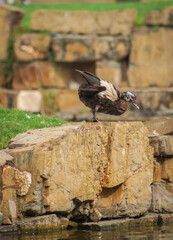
(149, 233)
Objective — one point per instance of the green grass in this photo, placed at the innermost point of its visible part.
(13, 122)
(141, 7)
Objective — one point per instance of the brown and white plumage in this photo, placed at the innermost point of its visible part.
(102, 96)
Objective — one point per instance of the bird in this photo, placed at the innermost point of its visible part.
(102, 96)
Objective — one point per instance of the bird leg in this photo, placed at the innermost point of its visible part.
(94, 115)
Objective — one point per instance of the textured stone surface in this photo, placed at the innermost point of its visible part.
(162, 126)
(163, 17)
(41, 223)
(163, 170)
(14, 183)
(36, 74)
(9, 203)
(3, 81)
(109, 71)
(10, 18)
(22, 182)
(65, 100)
(162, 197)
(110, 22)
(148, 220)
(8, 98)
(31, 46)
(1, 218)
(29, 101)
(5, 158)
(163, 145)
(89, 48)
(150, 57)
(73, 165)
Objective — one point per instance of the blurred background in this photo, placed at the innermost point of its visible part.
(128, 43)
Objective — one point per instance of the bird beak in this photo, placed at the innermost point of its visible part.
(135, 104)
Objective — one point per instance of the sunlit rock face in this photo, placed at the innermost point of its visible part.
(109, 22)
(93, 170)
(161, 140)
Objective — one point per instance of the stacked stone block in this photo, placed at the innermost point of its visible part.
(105, 43)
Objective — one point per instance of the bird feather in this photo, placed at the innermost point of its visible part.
(110, 92)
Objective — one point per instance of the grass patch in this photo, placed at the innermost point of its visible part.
(141, 7)
(13, 122)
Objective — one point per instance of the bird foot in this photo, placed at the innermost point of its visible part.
(95, 120)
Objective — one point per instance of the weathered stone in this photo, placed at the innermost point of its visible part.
(36, 74)
(110, 22)
(9, 228)
(148, 220)
(163, 170)
(26, 76)
(122, 22)
(29, 101)
(3, 81)
(119, 173)
(41, 223)
(8, 203)
(22, 182)
(162, 197)
(1, 218)
(8, 98)
(70, 48)
(31, 46)
(150, 57)
(10, 18)
(5, 158)
(163, 145)
(64, 100)
(89, 159)
(163, 17)
(109, 71)
(13, 182)
(88, 48)
(111, 48)
(161, 126)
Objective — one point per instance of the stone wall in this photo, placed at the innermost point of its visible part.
(136, 59)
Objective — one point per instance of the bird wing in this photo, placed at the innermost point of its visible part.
(90, 89)
(111, 92)
(89, 77)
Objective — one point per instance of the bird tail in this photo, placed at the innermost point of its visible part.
(89, 77)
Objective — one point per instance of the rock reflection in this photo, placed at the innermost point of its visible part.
(135, 233)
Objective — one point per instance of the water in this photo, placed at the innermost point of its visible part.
(137, 233)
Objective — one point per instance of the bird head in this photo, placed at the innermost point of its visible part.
(130, 97)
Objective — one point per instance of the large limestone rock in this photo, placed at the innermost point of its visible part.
(162, 17)
(10, 19)
(110, 22)
(88, 48)
(150, 57)
(91, 169)
(29, 47)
